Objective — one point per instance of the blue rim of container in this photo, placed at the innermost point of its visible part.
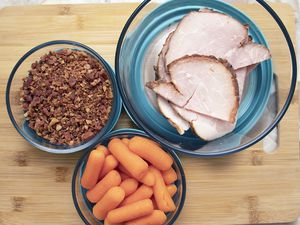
(110, 124)
(129, 131)
(278, 118)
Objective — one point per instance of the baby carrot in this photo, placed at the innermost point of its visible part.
(92, 169)
(131, 211)
(170, 176)
(110, 163)
(157, 217)
(172, 189)
(103, 149)
(110, 201)
(154, 202)
(133, 163)
(150, 151)
(124, 176)
(129, 186)
(111, 179)
(124, 170)
(125, 141)
(161, 194)
(106, 222)
(148, 179)
(143, 192)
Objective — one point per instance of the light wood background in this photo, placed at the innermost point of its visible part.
(248, 187)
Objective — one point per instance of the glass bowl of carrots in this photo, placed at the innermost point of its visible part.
(128, 179)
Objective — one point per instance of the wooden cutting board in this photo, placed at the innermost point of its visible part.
(248, 187)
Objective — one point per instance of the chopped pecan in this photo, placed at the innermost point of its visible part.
(67, 96)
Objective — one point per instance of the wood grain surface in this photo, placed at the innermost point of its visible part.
(248, 187)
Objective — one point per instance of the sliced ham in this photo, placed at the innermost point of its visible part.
(162, 72)
(168, 91)
(173, 117)
(201, 84)
(180, 93)
(206, 127)
(241, 75)
(248, 55)
(208, 32)
(164, 106)
(181, 118)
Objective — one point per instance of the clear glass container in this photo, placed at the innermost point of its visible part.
(269, 88)
(84, 207)
(16, 112)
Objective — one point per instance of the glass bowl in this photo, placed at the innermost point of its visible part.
(16, 112)
(137, 52)
(84, 208)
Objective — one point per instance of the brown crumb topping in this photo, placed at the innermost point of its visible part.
(67, 96)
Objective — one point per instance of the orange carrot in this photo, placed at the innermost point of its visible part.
(143, 192)
(124, 176)
(103, 149)
(150, 151)
(172, 189)
(111, 179)
(92, 169)
(133, 163)
(110, 201)
(170, 176)
(106, 222)
(124, 170)
(131, 211)
(129, 186)
(148, 179)
(161, 194)
(110, 163)
(125, 141)
(154, 202)
(157, 217)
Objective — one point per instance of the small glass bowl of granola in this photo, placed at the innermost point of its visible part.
(62, 97)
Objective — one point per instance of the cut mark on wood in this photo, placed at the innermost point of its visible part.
(18, 203)
(65, 10)
(21, 158)
(252, 202)
(257, 157)
(61, 174)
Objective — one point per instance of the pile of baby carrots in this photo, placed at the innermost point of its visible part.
(131, 182)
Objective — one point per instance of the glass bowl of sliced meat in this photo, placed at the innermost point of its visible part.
(206, 78)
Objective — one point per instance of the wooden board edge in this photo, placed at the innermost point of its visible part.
(7, 10)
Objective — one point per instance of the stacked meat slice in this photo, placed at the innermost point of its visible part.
(201, 72)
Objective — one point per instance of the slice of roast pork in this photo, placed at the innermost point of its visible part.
(172, 116)
(201, 84)
(181, 118)
(208, 32)
(164, 106)
(206, 127)
(250, 53)
(162, 73)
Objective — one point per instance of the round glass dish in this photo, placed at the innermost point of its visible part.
(15, 110)
(137, 52)
(84, 207)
